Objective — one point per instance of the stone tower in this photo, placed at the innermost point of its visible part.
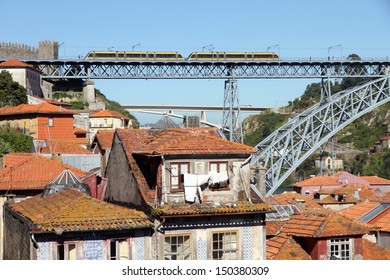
(48, 49)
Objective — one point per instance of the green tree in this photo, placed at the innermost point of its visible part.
(11, 92)
(14, 141)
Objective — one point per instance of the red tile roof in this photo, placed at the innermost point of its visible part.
(211, 208)
(364, 193)
(273, 227)
(284, 247)
(71, 210)
(41, 108)
(109, 114)
(320, 224)
(382, 221)
(372, 251)
(64, 146)
(31, 171)
(319, 181)
(104, 138)
(292, 198)
(375, 180)
(14, 63)
(193, 141)
(360, 209)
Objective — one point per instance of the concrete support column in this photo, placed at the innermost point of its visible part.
(89, 91)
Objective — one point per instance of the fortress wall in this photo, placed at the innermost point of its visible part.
(47, 49)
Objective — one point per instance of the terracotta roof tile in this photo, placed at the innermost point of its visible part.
(71, 210)
(41, 108)
(372, 251)
(14, 63)
(322, 223)
(357, 211)
(284, 247)
(375, 180)
(273, 227)
(319, 181)
(382, 221)
(211, 208)
(291, 198)
(31, 171)
(64, 146)
(104, 138)
(364, 192)
(108, 113)
(193, 141)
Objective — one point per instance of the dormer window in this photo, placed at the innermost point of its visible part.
(340, 248)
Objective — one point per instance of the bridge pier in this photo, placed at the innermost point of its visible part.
(89, 91)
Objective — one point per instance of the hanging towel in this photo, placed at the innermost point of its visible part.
(192, 185)
(218, 177)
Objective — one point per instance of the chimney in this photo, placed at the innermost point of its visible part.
(261, 181)
(356, 194)
(56, 157)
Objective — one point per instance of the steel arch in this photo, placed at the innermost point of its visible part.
(285, 149)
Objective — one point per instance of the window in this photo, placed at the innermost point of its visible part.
(51, 121)
(177, 247)
(340, 248)
(177, 171)
(221, 168)
(66, 251)
(118, 249)
(225, 245)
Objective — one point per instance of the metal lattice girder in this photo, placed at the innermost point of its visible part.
(285, 149)
(85, 69)
(231, 111)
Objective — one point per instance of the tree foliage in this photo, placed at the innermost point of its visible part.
(11, 93)
(13, 141)
(372, 164)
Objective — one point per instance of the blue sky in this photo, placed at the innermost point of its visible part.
(300, 28)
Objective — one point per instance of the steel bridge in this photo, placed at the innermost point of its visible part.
(93, 69)
(285, 149)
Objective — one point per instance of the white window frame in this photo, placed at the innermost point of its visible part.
(121, 248)
(70, 251)
(341, 248)
(176, 175)
(224, 245)
(177, 247)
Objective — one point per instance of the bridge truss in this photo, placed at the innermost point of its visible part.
(84, 69)
(285, 149)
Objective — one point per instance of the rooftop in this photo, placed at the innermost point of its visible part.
(24, 171)
(72, 210)
(108, 113)
(322, 223)
(14, 63)
(41, 108)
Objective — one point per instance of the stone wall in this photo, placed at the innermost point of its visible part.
(47, 49)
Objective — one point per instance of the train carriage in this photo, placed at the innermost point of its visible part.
(134, 56)
(232, 56)
(176, 56)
